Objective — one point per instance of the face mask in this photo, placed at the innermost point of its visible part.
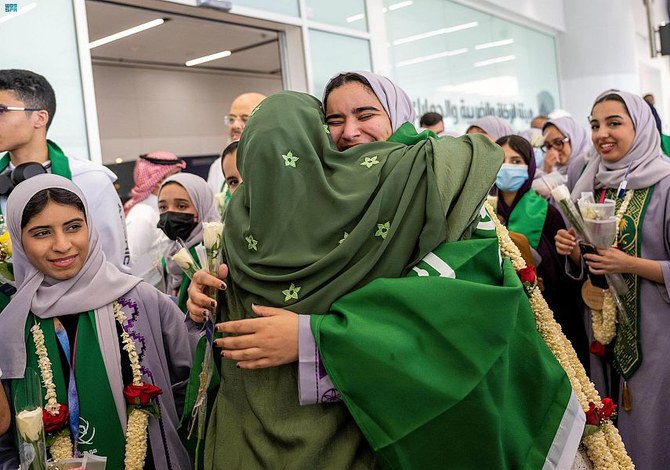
(511, 177)
(177, 224)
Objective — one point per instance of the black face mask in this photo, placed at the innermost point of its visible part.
(177, 224)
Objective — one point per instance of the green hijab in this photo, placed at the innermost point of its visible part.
(310, 223)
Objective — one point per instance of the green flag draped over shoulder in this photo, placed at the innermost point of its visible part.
(445, 369)
(312, 223)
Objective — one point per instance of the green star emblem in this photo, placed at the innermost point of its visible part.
(346, 234)
(290, 159)
(291, 292)
(369, 161)
(252, 244)
(383, 230)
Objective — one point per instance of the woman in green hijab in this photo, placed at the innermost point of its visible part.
(331, 209)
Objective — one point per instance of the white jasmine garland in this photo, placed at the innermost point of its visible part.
(604, 321)
(61, 448)
(604, 447)
(138, 420)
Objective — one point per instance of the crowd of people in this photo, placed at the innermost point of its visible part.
(365, 314)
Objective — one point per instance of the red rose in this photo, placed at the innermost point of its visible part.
(141, 394)
(53, 423)
(597, 348)
(592, 415)
(527, 274)
(608, 408)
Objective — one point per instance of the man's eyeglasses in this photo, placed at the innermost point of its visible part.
(4, 109)
(556, 144)
(231, 118)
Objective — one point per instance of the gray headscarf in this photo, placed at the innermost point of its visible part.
(580, 140)
(493, 126)
(202, 197)
(647, 165)
(96, 285)
(395, 101)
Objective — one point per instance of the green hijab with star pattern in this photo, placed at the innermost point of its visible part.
(310, 223)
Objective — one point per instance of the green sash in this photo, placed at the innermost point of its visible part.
(100, 430)
(59, 162)
(528, 217)
(627, 348)
(445, 367)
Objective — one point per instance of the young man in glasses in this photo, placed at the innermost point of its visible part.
(27, 108)
(240, 110)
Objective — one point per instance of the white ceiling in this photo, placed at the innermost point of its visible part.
(179, 39)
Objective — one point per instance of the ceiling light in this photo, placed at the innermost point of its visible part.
(497, 60)
(395, 6)
(21, 11)
(437, 32)
(207, 58)
(426, 58)
(353, 18)
(127, 32)
(488, 45)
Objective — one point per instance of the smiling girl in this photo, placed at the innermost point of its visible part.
(631, 169)
(92, 333)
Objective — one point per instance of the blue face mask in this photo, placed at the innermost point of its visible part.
(511, 177)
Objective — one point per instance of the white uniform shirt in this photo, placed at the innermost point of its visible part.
(215, 177)
(147, 242)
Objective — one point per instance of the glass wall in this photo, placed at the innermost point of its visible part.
(39, 35)
(464, 64)
(346, 13)
(333, 53)
(283, 7)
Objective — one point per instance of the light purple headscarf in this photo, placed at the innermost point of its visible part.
(647, 165)
(202, 197)
(580, 140)
(395, 101)
(97, 284)
(493, 126)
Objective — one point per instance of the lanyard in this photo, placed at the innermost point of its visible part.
(72, 396)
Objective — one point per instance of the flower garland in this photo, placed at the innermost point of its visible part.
(604, 321)
(139, 393)
(604, 446)
(61, 448)
(138, 418)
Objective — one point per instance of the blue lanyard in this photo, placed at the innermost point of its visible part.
(72, 396)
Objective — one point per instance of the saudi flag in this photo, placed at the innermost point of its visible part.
(444, 368)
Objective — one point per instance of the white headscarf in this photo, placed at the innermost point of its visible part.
(580, 140)
(647, 165)
(96, 285)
